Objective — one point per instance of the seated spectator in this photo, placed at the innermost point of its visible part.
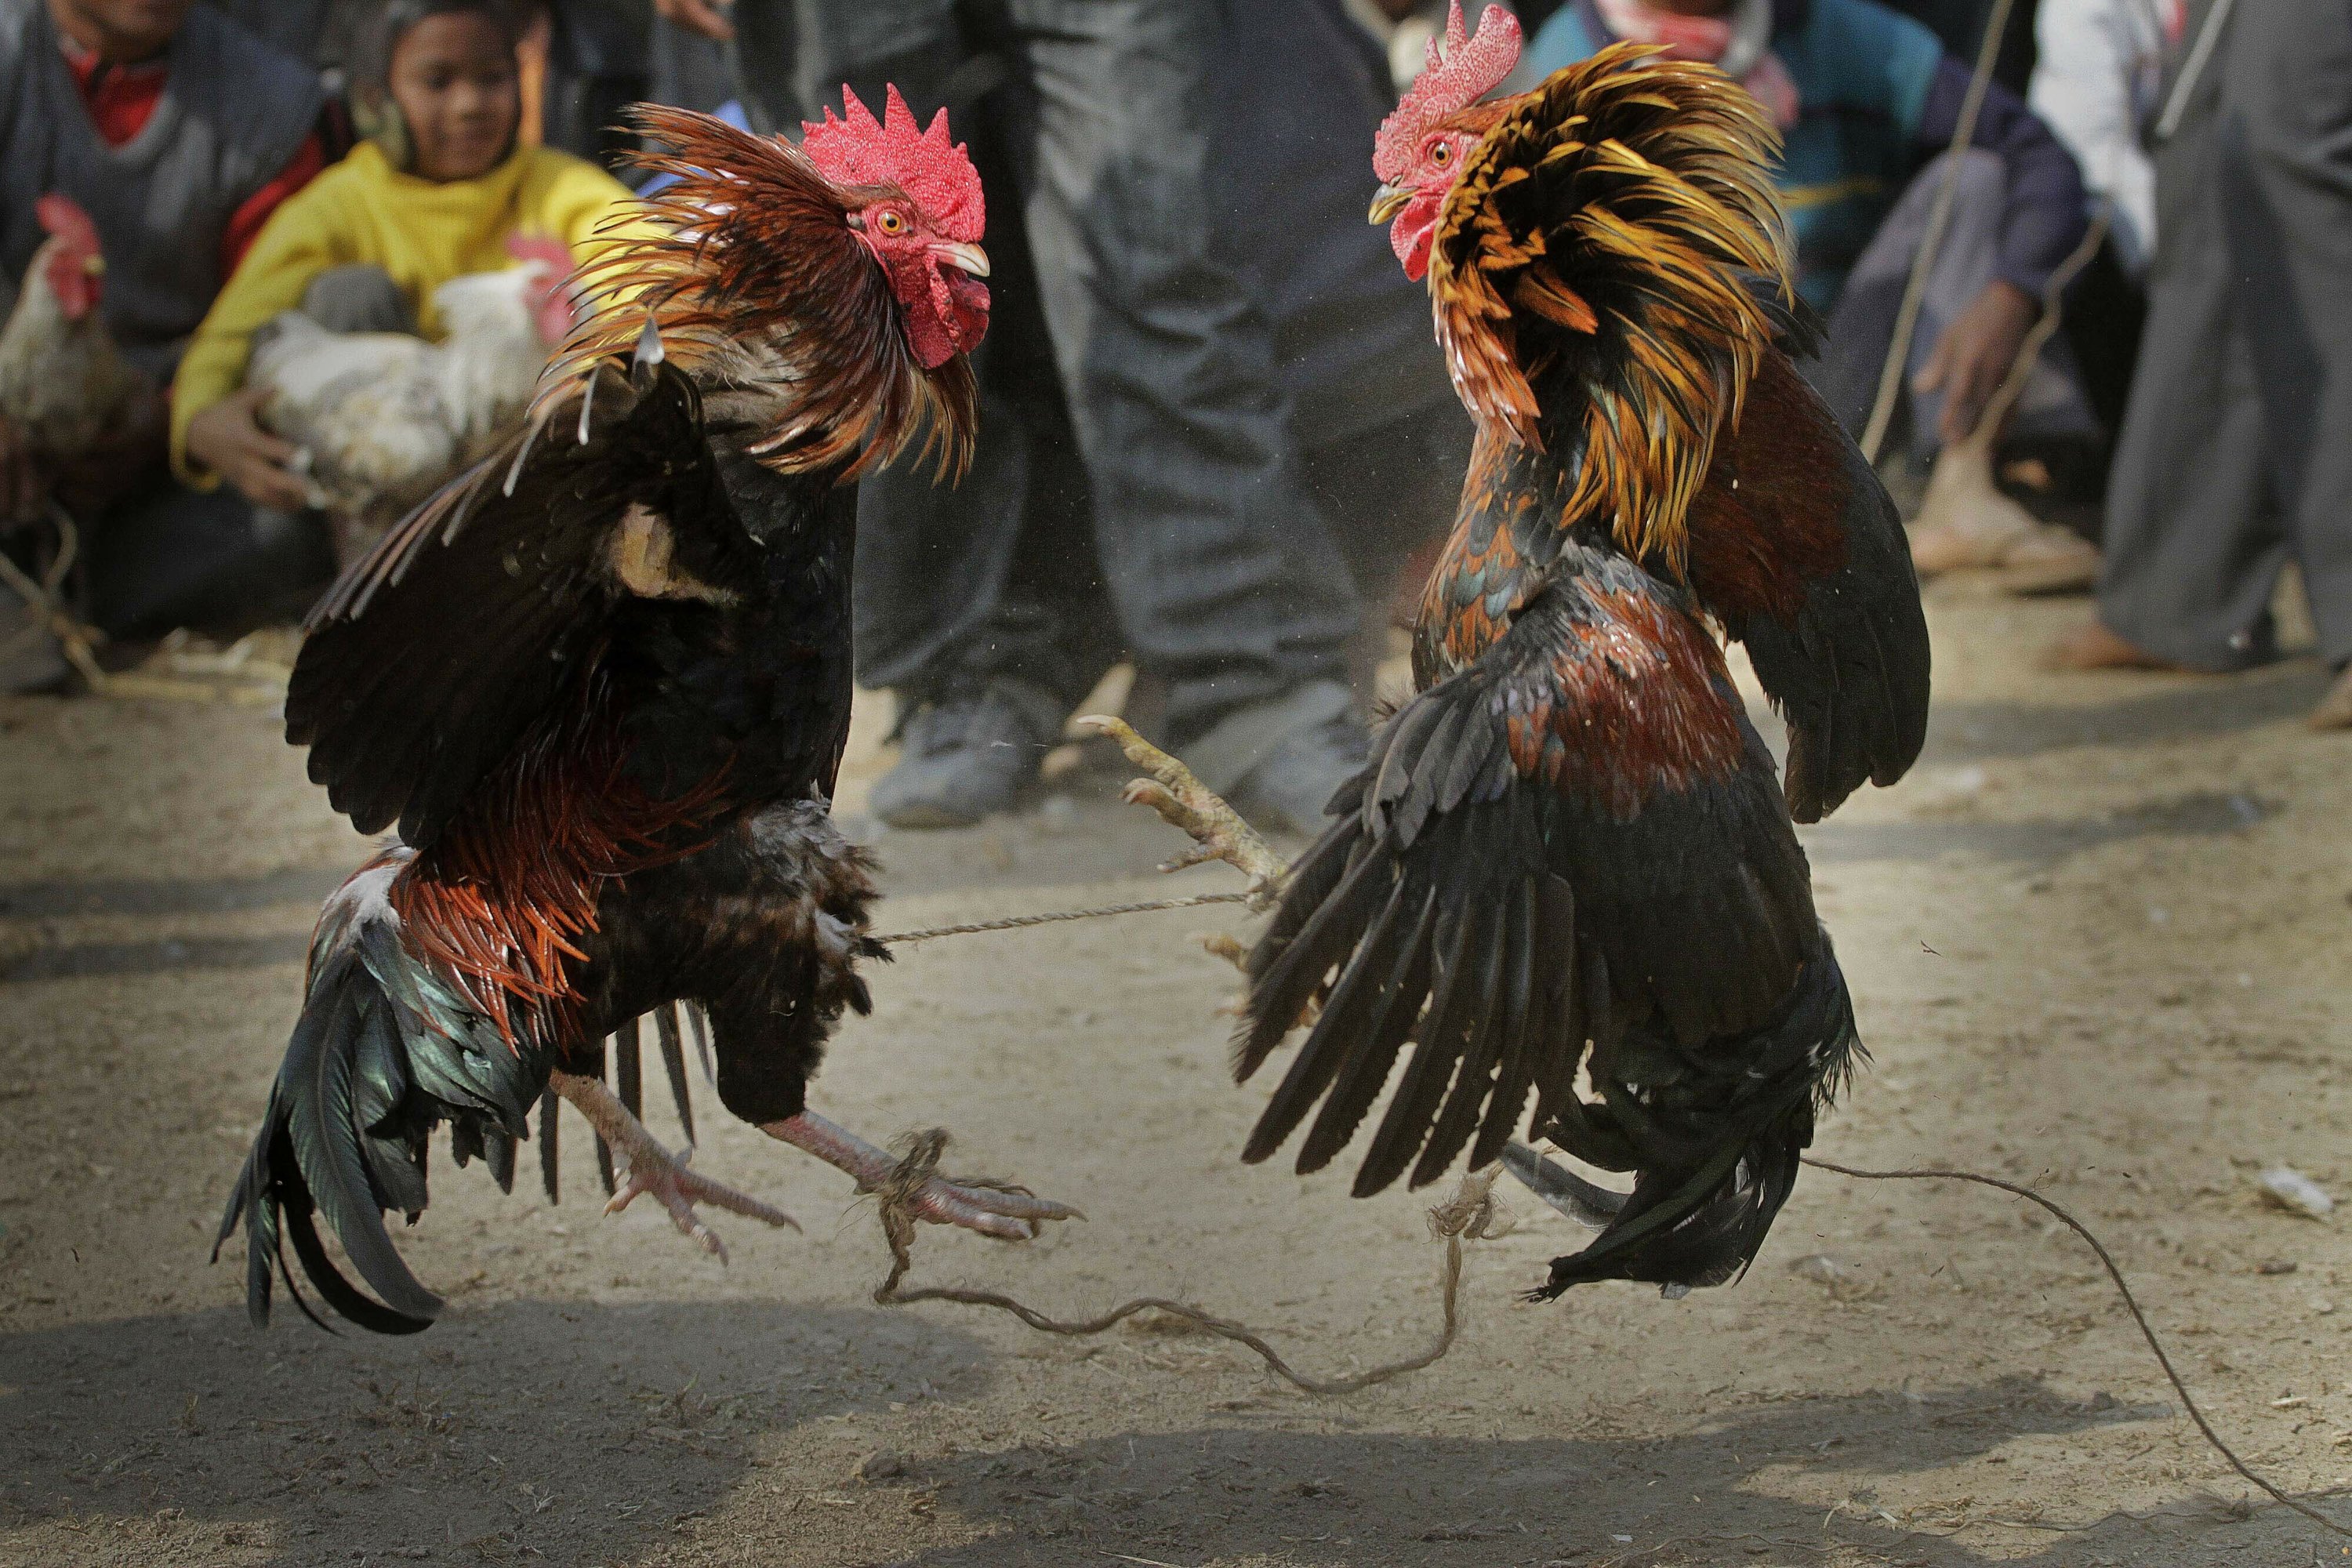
(1864, 97)
(179, 133)
(436, 190)
(2097, 84)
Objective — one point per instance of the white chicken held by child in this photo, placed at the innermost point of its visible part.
(382, 418)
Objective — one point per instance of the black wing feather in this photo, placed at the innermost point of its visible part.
(435, 654)
(1509, 924)
(1847, 663)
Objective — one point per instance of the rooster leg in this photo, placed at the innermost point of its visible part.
(1007, 1214)
(654, 1170)
(1182, 801)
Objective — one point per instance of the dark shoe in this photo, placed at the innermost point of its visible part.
(1295, 779)
(967, 757)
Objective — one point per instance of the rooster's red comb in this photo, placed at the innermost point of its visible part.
(62, 215)
(549, 250)
(858, 150)
(1461, 70)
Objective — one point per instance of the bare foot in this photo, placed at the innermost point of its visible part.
(654, 1170)
(1006, 1214)
(2335, 709)
(2094, 646)
(2051, 560)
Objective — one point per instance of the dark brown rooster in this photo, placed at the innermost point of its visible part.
(601, 684)
(1568, 857)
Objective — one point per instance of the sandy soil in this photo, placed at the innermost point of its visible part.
(2096, 942)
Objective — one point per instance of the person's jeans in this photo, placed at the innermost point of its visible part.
(1220, 570)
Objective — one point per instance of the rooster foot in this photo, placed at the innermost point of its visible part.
(654, 1171)
(1007, 1213)
(1183, 802)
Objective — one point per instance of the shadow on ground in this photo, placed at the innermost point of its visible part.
(1238, 1495)
(529, 1428)
(2196, 709)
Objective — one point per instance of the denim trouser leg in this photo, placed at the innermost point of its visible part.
(1222, 570)
(1218, 567)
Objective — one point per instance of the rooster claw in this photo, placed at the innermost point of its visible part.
(1183, 802)
(1008, 1214)
(1001, 1209)
(667, 1178)
(654, 1171)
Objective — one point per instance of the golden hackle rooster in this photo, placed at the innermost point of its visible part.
(1567, 876)
(601, 684)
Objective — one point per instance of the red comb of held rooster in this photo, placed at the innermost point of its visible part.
(72, 268)
(62, 215)
(855, 149)
(1463, 67)
(553, 308)
(545, 248)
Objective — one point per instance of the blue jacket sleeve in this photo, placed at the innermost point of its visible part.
(2045, 216)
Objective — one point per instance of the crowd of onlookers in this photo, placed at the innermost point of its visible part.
(1217, 436)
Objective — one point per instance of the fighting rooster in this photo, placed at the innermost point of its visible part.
(602, 683)
(1569, 853)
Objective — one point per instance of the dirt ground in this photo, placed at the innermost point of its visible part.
(2096, 941)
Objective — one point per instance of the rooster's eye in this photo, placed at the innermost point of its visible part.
(1441, 153)
(891, 223)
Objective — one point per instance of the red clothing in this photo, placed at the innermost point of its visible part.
(122, 99)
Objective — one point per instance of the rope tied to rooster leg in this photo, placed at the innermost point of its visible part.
(1473, 1214)
(2131, 1302)
(1016, 922)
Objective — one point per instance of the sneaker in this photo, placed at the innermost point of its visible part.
(1295, 779)
(968, 757)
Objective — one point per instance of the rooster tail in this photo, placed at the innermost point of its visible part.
(1720, 1147)
(377, 1060)
(317, 1153)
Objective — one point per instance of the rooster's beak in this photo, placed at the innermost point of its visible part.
(972, 258)
(1388, 201)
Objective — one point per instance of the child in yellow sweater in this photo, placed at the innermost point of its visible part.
(435, 191)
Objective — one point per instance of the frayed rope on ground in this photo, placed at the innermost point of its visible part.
(1472, 1214)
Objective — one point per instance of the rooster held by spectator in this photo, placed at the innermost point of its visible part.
(379, 420)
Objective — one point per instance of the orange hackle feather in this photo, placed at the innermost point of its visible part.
(1602, 223)
(502, 900)
(749, 271)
